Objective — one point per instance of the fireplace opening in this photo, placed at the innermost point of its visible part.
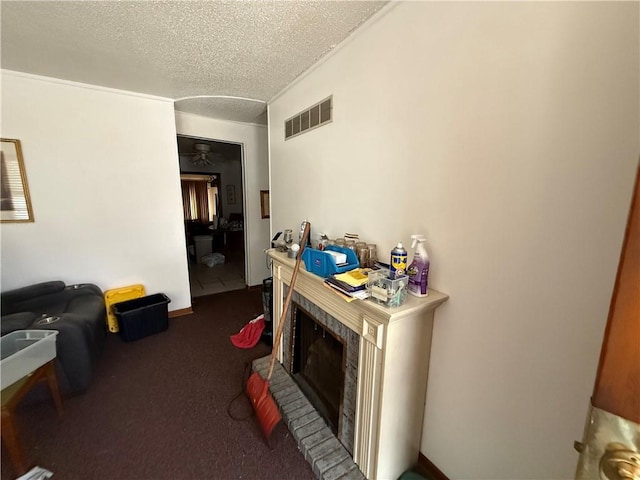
(318, 366)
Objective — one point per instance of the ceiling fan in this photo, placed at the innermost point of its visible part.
(201, 155)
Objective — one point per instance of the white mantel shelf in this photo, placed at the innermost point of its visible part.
(393, 366)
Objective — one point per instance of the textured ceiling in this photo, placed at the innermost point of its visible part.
(179, 49)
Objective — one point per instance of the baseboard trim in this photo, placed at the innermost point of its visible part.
(180, 313)
(429, 468)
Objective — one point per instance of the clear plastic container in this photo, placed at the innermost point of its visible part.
(386, 291)
(23, 352)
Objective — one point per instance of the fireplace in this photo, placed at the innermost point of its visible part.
(321, 355)
(317, 365)
(385, 360)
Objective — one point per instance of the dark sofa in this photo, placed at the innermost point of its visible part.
(77, 312)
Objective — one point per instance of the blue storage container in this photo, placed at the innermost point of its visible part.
(323, 264)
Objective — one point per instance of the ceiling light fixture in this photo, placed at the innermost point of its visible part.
(201, 155)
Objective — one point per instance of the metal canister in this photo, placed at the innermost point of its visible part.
(302, 225)
(398, 263)
(323, 241)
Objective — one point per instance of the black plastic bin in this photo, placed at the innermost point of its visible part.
(141, 317)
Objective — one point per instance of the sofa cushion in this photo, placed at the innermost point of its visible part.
(16, 321)
(18, 300)
(81, 325)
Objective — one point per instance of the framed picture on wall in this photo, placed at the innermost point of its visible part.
(231, 194)
(15, 203)
(264, 203)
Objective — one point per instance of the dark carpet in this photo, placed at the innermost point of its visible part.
(157, 408)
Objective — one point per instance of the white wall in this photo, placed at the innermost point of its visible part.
(102, 170)
(507, 132)
(256, 177)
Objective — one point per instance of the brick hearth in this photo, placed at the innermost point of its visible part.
(329, 459)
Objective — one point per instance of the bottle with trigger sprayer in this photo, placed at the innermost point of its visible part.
(418, 271)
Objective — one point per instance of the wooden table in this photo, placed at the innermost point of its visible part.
(11, 397)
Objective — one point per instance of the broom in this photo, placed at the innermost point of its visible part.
(258, 389)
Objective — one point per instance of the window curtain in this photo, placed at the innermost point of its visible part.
(195, 200)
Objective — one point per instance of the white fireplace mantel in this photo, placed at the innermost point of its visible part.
(393, 367)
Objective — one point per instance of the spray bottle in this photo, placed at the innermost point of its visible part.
(418, 271)
(398, 264)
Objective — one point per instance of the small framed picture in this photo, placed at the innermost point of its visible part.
(264, 203)
(15, 203)
(231, 194)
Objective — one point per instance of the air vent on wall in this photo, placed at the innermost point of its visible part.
(312, 117)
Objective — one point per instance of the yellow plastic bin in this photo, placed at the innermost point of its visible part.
(117, 295)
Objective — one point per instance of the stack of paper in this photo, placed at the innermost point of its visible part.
(351, 285)
(346, 297)
(356, 277)
(339, 258)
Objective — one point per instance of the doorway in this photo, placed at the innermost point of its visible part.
(211, 181)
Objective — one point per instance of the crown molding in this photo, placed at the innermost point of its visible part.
(88, 86)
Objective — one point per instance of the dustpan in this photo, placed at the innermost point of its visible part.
(264, 405)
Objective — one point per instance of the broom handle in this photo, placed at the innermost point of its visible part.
(276, 343)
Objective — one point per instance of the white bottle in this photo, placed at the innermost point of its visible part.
(418, 271)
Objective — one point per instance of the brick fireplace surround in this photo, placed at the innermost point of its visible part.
(392, 370)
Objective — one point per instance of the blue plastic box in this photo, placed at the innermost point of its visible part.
(323, 264)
